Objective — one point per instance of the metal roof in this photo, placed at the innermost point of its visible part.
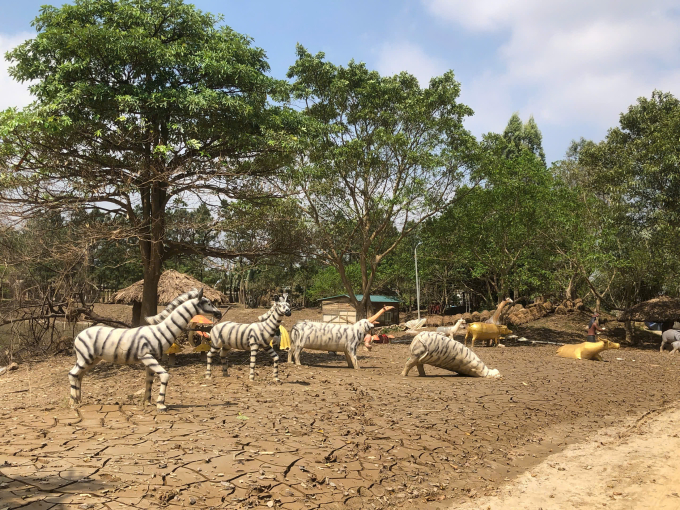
(375, 298)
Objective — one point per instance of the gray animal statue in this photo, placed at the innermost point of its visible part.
(670, 336)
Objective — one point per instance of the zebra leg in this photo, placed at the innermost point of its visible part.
(290, 354)
(421, 369)
(298, 350)
(75, 377)
(275, 358)
(224, 359)
(209, 356)
(151, 364)
(253, 355)
(148, 383)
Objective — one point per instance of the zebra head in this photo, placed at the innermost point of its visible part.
(282, 305)
(204, 305)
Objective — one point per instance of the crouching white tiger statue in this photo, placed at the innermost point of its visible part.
(429, 348)
(145, 344)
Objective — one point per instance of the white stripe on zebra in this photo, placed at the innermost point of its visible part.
(247, 337)
(145, 344)
(429, 348)
(320, 336)
(157, 319)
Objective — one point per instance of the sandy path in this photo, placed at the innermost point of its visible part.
(620, 468)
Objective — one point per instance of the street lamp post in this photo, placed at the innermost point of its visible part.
(417, 283)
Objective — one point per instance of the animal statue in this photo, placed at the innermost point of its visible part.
(670, 336)
(266, 314)
(232, 335)
(496, 317)
(429, 348)
(157, 319)
(320, 336)
(484, 331)
(586, 350)
(450, 331)
(675, 345)
(144, 344)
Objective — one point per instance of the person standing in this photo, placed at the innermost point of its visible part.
(593, 327)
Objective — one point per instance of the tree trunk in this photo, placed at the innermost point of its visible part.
(362, 308)
(631, 339)
(151, 245)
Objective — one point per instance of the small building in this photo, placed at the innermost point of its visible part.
(339, 309)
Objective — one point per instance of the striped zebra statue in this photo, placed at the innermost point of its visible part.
(320, 336)
(247, 337)
(145, 344)
(429, 348)
(157, 319)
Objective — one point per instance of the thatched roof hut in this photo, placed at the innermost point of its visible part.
(170, 285)
(661, 309)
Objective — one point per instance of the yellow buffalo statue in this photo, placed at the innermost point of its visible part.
(483, 331)
(586, 350)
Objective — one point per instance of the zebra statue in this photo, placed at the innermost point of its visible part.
(157, 319)
(441, 351)
(145, 344)
(320, 336)
(243, 337)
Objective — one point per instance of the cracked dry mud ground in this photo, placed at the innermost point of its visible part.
(324, 437)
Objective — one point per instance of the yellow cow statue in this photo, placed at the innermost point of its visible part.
(586, 350)
(483, 331)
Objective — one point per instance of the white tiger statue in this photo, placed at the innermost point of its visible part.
(429, 348)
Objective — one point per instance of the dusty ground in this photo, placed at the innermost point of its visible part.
(620, 468)
(325, 436)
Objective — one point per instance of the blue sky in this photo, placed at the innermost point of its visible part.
(574, 65)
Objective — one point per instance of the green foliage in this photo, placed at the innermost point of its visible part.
(139, 102)
(384, 155)
(495, 235)
(520, 136)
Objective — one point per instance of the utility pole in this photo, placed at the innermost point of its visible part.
(417, 283)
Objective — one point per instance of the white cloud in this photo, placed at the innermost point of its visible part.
(12, 93)
(404, 56)
(569, 62)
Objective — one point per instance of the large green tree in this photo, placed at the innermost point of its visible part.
(494, 236)
(138, 102)
(384, 156)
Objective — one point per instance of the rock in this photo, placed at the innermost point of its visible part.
(475, 317)
(192, 500)
(11, 366)
(486, 314)
(467, 317)
(548, 306)
(560, 310)
(516, 308)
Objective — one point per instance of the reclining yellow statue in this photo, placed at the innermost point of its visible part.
(586, 350)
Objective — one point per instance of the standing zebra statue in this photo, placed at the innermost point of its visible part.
(345, 338)
(157, 319)
(248, 337)
(429, 348)
(145, 344)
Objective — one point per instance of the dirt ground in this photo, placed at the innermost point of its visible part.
(325, 437)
